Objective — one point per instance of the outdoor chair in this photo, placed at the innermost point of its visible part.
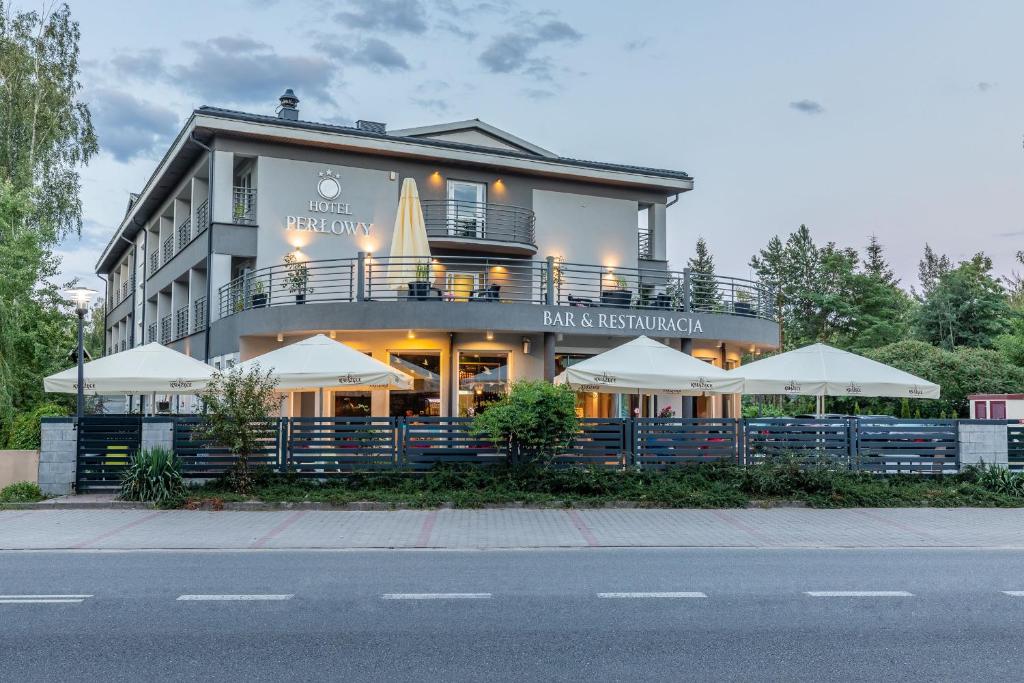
(580, 301)
(489, 293)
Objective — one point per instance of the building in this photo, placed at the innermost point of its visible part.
(997, 406)
(259, 230)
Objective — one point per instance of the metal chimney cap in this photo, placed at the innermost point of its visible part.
(289, 99)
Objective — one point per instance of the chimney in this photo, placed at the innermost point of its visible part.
(372, 127)
(289, 106)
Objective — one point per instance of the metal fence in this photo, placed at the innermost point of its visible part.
(105, 445)
(1015, 446)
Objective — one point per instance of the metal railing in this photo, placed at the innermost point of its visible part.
(167, 252)
(165, 329)
(181, 322)
(243, 205)
(151, 330)
(154, 262)
(492, 280)
(202, 217)
(184, 233)
(199, 315)
(644, 245)
(479, 220)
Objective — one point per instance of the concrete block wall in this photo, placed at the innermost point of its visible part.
(158, 432)
(983, 442)
(58, 454)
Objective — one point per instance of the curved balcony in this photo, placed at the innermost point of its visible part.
(479, 226)
(458, 279)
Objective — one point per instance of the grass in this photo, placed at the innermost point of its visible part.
(704, 486)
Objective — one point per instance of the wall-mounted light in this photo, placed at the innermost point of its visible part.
(393, 175)
(490, 335)
(434, 178)
(334, 335)
(526, 346)
(410, 335)
(559, 337)
(280, 336)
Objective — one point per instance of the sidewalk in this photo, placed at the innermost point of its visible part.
(512, 528)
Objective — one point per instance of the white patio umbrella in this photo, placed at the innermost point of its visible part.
(821, 370)
(319, 361)
(644, 365)
(148, 369)
(409, 245)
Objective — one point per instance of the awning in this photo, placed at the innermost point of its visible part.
(644, 365)
(148, 369)
(318, 362)
(820, 370)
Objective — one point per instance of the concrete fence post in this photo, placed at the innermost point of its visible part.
(157, 432)
(58, 455)
(983, 441)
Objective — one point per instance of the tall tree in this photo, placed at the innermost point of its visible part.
(704, 294)
(930, 270)
(967, 307)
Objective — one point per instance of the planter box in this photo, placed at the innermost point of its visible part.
(18, 466)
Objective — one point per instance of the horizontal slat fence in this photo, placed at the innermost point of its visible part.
(105, 444)
(430, 441)
(200, 459)
(810, 439)
(666, 442)
(1015, 446)
(321, 446)
(906, 447)
(601, 442)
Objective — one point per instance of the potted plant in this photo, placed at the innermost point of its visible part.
(297, 278)
(259, 297)
(742, 305)
(617, 294)
(239, 211)
(419, 288)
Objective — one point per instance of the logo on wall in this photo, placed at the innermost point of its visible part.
(329, 186)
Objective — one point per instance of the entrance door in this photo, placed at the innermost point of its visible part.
(467, 208)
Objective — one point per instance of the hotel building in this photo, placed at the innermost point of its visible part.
(260, 230)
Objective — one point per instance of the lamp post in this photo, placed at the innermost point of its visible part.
(81, 297)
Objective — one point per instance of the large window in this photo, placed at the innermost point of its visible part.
(483, 379)
(424, 399)
(466, 208)
(352, 404)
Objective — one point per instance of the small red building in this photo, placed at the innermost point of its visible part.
(997, 406)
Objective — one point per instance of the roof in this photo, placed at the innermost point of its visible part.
(996, 397)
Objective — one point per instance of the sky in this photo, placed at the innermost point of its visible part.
(901, 119)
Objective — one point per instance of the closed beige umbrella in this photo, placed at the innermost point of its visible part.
(409, 245)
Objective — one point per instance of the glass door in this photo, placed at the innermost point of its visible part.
(467, 208)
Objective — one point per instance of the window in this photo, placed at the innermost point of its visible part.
(466, 208)
(981, 410)
(461, 285)
(998, 410)
(424, 399)
(483, 379)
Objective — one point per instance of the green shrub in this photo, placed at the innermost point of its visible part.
(533, 422)
(24, 430)
(21, 492)
(999, 480)
(153, 476)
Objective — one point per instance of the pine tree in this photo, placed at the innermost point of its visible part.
(703, 283)
(930, 270)
(875, 264)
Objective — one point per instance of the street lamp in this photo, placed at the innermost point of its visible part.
(81, 297)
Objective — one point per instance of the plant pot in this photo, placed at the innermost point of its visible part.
(419, 290)
(617, 298)
(743, 308)
(300, 298)
(259, 300)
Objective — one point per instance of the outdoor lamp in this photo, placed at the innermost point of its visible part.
(526, 346)
(81, 297)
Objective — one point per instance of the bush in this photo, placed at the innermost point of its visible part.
(21, 492)
(153, 476)
(998, 480)
(24, 430)
(534, 421)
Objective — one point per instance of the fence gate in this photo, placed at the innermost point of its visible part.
(1015, 446)
(105, 443)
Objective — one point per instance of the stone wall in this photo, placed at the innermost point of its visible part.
(57, 456)
(983, 442)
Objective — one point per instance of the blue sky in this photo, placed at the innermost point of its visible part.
(900, 119)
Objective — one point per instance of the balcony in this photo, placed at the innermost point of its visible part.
(165, 329)
(167, 252)
(243, 205)
(478, 226)
(457, 279)
(202, 217)
(199, 315)
(181, 322)
(151, 333)
(184, 233)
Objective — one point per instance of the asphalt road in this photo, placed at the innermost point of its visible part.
(587, 614)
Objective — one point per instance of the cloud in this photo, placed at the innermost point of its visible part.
(1012, 233)
(457, 30)
(985, 86)
(538, 93)
(379, 55)
(636, 44)
(144, 64)
(239, 69)
(513, 52)
(807, 107)
(129, 127)
(436, 105)
(407, 16)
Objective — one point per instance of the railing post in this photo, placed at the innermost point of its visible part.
(361, 276)
(686, 290)
(549, 292)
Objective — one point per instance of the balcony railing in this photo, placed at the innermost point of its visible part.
(202, 217)
(493, 280)
(199, 315)
(645, 245)
(165, 329)
(243, 205)
(151, 333)
(181, 322)
(167, 252)
(479, 221)
(154, 261)
(184, 233)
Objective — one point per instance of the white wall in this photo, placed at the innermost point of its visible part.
(586, 229)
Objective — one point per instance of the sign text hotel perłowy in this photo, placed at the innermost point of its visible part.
(624, 321)
(329, 189)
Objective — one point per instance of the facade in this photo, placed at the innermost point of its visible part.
(260, 230)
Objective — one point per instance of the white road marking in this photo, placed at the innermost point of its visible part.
(1015, 594)
(860, 594)
(41, 599)
(685, 594)
(233, 598)
(435, 596)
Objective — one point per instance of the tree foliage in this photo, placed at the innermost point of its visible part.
(966, 307)
(534, 421)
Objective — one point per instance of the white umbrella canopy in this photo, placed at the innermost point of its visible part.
(152, 368)
(821, 370)
(644, 365)
(409, 245)
(318, 362)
